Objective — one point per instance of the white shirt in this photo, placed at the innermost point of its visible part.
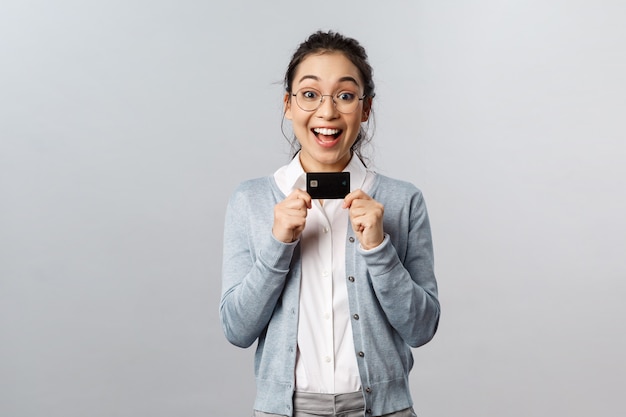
(326, 360)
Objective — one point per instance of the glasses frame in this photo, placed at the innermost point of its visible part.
(332, 97)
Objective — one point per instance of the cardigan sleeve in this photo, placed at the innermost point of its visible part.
(253, 273)
(405, 283)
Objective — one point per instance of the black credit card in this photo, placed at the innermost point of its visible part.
(327, 185)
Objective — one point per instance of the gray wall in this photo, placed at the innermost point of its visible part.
(125, 125)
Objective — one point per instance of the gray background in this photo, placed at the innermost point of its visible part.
(125, 125)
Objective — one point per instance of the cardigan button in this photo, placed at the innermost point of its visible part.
(351, 278)
(368, 411)
(351, 239)
(356, 316)
(368, 390)
(361, 354)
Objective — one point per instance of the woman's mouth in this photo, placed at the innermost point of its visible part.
(326, 135)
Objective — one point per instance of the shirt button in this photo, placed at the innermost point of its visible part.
(327, 359)
(368, 411)
(368, 390)
(351, 278)
(326, 230)
(351, 239)
(327, 316)
(361, 354)
(356, 316)
(325, 273)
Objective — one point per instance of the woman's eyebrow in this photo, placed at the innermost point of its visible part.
(341, 80)
(308, 77)
(350, 79)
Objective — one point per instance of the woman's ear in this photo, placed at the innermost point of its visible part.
(367, 108)
(287, 106)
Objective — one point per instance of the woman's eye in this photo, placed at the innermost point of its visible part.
(309, 95)
(346, 96)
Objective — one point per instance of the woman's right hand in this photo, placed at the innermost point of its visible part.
(290, 216)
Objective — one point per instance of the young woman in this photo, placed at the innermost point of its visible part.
(335, 291)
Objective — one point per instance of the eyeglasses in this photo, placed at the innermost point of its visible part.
(309, 99)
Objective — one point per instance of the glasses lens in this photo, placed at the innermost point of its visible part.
(308, 99)
(346, 102)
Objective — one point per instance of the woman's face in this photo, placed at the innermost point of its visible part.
(325, 134)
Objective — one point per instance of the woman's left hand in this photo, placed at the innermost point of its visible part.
(366, 216)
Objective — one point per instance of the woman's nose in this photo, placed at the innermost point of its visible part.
(327, 108)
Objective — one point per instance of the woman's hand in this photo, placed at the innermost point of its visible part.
(290, 216)
(366, 216)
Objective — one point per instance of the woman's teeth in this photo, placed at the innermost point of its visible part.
(326, 132)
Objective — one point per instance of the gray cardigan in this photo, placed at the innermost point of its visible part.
(392, 294)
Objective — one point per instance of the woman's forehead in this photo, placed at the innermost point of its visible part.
(329, 67)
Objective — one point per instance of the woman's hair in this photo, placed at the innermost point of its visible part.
(327, 42)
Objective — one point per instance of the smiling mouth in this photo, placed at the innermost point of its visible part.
(321, 132)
